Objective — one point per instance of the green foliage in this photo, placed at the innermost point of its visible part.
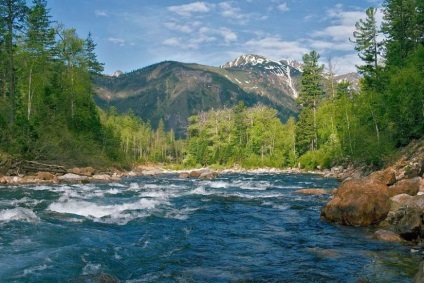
(365, 127)
(138, 141)
(49, 112)
(249, 137)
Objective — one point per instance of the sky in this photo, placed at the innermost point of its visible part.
(132, 34)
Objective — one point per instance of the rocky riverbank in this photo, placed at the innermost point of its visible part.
(391, 201)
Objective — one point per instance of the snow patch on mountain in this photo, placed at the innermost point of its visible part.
(284, 69)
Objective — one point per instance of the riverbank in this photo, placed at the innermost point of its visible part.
(390, 202)
(90, 174)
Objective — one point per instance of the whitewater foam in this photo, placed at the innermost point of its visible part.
(18, 214)
(90, 210)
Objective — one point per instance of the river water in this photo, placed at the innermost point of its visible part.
(236, 228)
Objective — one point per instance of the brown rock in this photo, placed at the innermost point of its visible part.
(104, 178)
(398, 201)
(208, 175)
(312, 192)
(46, 176)
(184, 175)
(84, 171)
(195, 174)
(410, 225)
(358, 202)
(415, 169)
(386, 176)
(406, 186)
(29, 180)
(421, 185)
(388, 236)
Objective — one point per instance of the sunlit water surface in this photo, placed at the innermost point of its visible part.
(236, 228)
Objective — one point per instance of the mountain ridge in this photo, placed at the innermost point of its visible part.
(173, 91)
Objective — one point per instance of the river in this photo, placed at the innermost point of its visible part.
(236, 228)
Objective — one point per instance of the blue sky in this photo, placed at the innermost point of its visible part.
(131, 34)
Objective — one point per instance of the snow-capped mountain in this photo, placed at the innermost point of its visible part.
(282, 74)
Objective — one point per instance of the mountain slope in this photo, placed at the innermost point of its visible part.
(174, 91)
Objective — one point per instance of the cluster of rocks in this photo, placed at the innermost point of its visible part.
(73, 175)
(204, 173)
(393, 202)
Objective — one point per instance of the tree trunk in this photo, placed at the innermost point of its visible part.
(29, 93)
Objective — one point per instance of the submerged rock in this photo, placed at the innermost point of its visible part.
(419, 277)
(208, 175)
(358, 202)
(312, 192)
(96, 278)
(388, 236)
(184, 175)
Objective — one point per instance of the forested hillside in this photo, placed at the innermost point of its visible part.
(47, 109)
(174, 91)
(388, 112)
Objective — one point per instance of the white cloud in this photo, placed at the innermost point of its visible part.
(99, 13)
(178, 27)
(229, 35)
(174, 42)
(189, 9)
(346, 63)
(191, 43)
(227, 10)
(118, 41)
(274, 47)
(283, 7)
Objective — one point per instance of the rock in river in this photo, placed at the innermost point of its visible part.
(358, 202)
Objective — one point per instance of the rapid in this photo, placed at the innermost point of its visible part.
(236, 228)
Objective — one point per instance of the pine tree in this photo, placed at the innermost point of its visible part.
(367, 45)
(311, 91)
(404, 28)
(12, 14)
(94, 66)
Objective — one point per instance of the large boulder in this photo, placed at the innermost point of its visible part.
(358, 202)
(406, 186)
(407, 220)
(410, 225)
(386, 176)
